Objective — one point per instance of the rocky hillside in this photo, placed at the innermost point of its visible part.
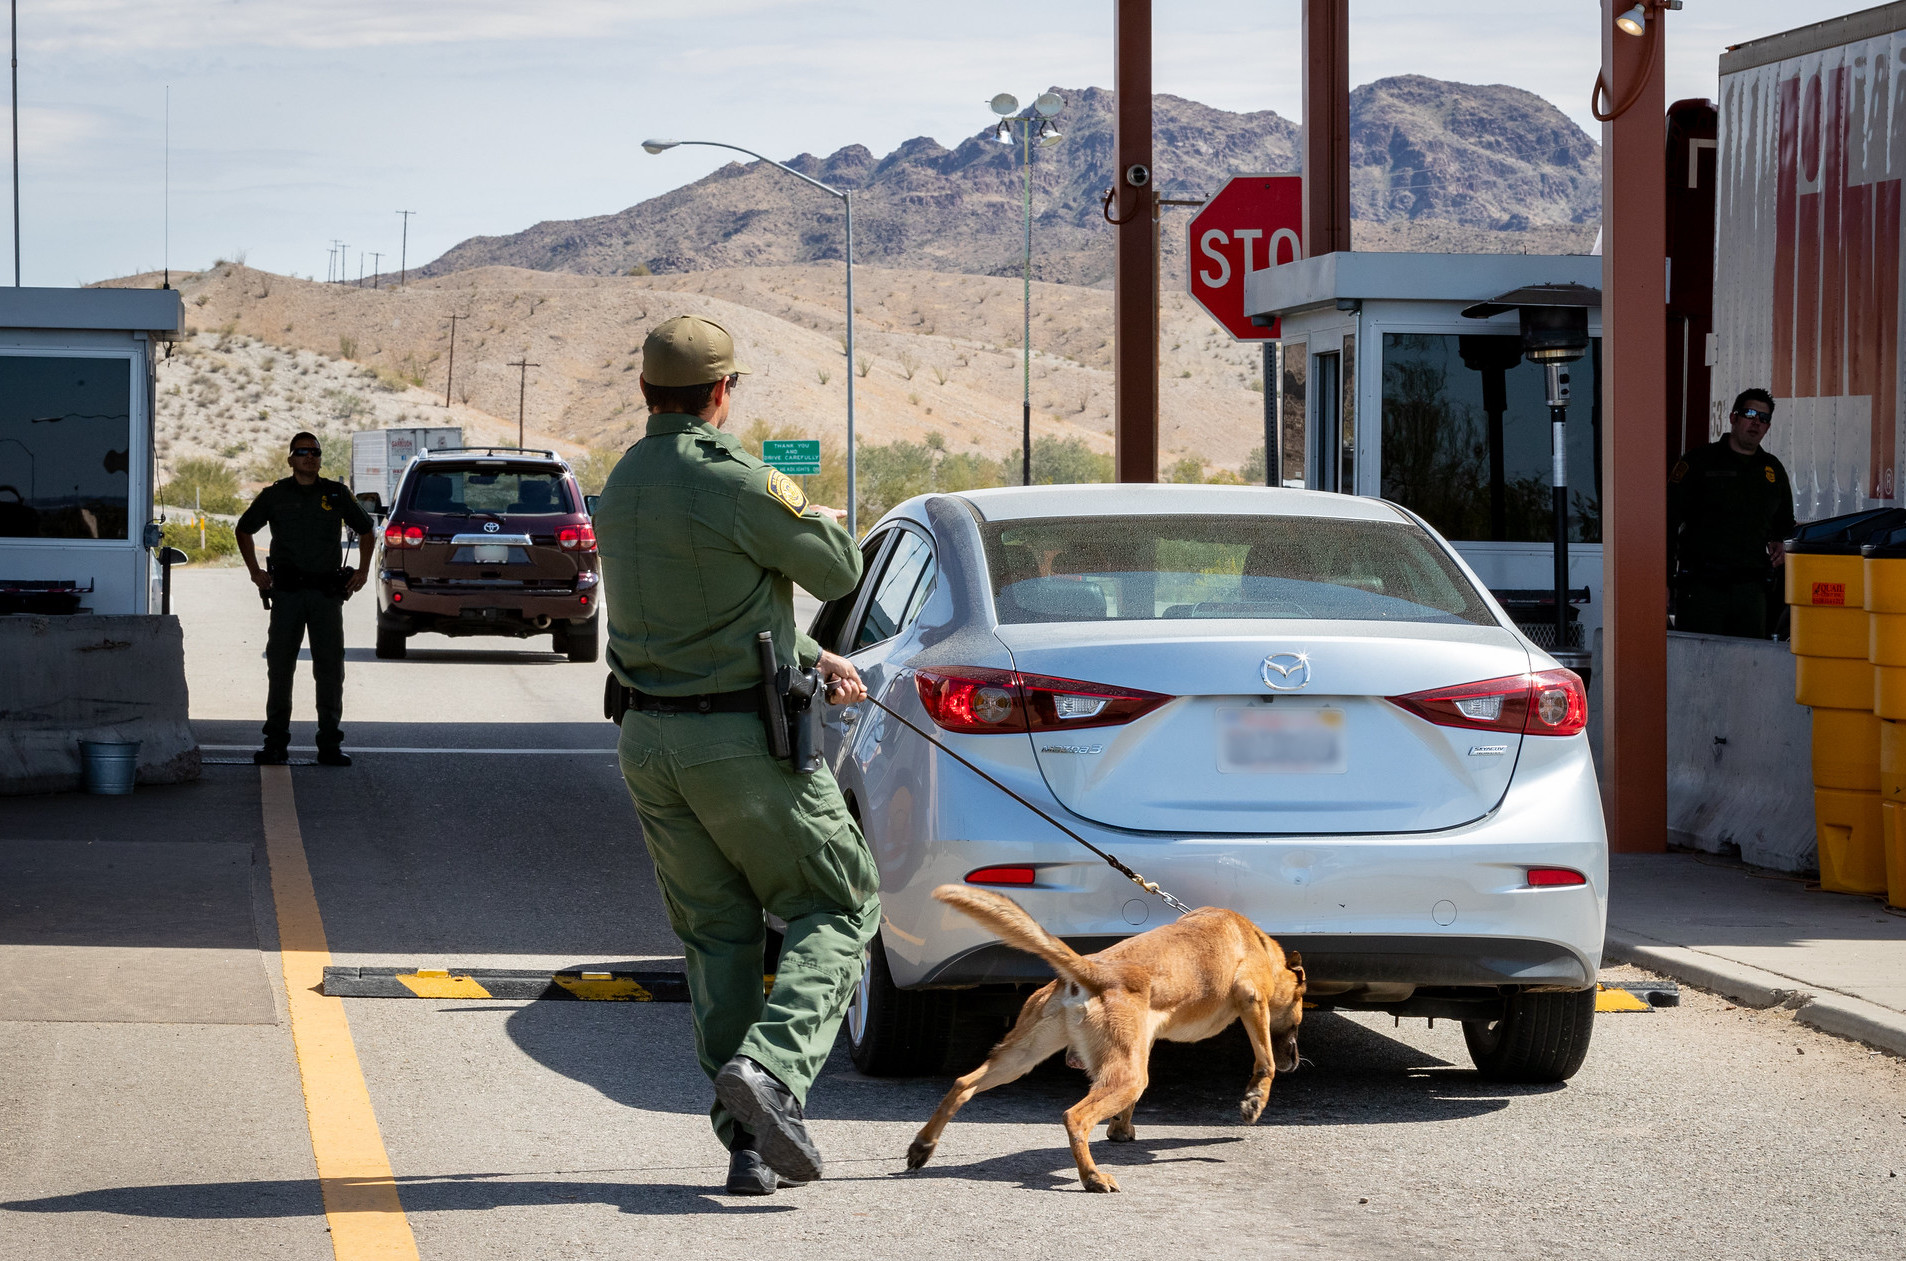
(1477, 167)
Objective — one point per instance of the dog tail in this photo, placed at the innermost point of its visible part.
(1017, 929)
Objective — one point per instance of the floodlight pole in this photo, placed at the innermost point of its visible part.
(1025, 342)
(847, 204)
(13, 31)
(451, 371)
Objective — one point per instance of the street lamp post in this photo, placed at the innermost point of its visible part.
(847, 204)
(1044, 108)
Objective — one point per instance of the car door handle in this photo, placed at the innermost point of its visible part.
(849, 716)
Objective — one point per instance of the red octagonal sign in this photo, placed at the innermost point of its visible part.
(1255, 221)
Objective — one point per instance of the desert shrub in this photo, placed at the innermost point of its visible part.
(593, 468)
(347, 347)
(220, 540)
(1252, 472)
(211, 483)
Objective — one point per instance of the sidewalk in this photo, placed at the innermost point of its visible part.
(1765, 940)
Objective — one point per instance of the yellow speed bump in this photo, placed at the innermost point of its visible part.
(434, 983)
(604, 987)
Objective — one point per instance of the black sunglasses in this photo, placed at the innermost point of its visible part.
(306, 451)
(1753, 413)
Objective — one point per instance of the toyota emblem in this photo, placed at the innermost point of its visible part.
(1286, 671)
(491, 527)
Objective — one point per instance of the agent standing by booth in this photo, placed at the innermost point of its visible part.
(307, 589)
(1729, 509)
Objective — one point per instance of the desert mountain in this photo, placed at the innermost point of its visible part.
(1435, 165)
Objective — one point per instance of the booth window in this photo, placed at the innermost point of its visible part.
(1292, 450)
(65, 439)
(1466, 438)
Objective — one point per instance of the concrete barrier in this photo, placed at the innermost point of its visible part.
(87, 677)
(1739, 752)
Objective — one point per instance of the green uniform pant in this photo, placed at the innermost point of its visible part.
(292, 613)
(1723, 608)
(733, 832)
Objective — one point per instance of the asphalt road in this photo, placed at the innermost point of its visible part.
(578, 1129)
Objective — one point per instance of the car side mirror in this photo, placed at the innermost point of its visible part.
(169, 556)
(372, 505)
(589, 503)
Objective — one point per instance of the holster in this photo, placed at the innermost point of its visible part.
(791, 701)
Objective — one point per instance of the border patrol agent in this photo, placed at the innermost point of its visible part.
(306, 589)
(1730, 508)
(701, 545)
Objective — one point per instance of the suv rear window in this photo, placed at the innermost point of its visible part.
(474, 488)
(1127, 568)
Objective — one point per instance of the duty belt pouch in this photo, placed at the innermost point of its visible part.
(791, 703)
(615, 700)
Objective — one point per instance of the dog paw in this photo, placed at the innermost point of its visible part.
(1251, 1107)
(1117, 1133)
(1096, 1181)
(918, 1153)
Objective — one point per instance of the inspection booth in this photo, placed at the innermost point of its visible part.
(76, 447)
(1385, 388)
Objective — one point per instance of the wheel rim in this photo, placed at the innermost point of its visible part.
(858, 1005)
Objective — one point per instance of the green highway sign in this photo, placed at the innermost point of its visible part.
(799, 457)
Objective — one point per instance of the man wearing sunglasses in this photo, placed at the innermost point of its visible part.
(307, 515)
(1730, 508)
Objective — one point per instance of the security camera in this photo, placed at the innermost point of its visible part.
(1138, 175)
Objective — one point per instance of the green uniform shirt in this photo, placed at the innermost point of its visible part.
(1724, 508)
(701, 547)
(307, 522)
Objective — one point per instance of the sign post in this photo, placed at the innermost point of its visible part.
(1254, 222)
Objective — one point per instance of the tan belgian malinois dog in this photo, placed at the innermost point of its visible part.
(1182, 982)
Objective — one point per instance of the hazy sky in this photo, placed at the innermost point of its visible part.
(299, 122)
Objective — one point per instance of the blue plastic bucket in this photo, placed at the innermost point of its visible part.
(108, 767)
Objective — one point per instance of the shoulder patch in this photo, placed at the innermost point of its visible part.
(1680, 471)
(1769, 471)
(785, 492)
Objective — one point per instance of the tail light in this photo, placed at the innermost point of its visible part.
(1547, 703)
(1017, 874)
(399, 535)
(982, 699)
(1545, 877)
(577, 538)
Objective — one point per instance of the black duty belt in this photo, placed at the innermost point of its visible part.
(618, 700)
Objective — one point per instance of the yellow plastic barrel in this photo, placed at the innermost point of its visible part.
(1883, 582)
(1852, 675)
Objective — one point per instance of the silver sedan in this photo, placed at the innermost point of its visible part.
(1300, 705)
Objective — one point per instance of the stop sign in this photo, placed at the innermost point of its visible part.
(1255, 221)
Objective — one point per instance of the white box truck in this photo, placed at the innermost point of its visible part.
(379, 457)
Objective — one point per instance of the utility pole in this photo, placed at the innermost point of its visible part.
(360, 269)
(452, 370)
(376, 260)
(403, 246)
(522, 387)
(344, 262)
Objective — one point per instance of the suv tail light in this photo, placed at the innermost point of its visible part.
(982, 699)
(1547, 703)
(399, 535)
(577, 538)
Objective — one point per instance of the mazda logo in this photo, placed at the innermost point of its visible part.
(1286, 671)
(491, 527)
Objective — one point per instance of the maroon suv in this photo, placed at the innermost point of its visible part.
(489, 541)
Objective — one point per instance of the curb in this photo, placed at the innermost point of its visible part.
(1827, 1011)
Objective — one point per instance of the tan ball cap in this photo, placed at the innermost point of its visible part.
(688, 350)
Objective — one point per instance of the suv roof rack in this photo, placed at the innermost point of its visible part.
(437, 451)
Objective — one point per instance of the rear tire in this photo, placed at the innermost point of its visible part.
(392, 645)
(893, 1032)
(582, 640)
(1541, 1038)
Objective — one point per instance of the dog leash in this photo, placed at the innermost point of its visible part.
(1110, 859)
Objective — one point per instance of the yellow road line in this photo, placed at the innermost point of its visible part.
(360, 1195)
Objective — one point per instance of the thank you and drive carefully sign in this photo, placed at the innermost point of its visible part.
(797, 457)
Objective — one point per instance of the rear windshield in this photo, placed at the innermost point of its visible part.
(1094, 569)
(475, 489)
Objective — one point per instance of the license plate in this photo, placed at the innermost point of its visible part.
(1266, 740)
(491, 553)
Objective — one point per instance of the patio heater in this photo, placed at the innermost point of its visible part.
(1554, 334)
